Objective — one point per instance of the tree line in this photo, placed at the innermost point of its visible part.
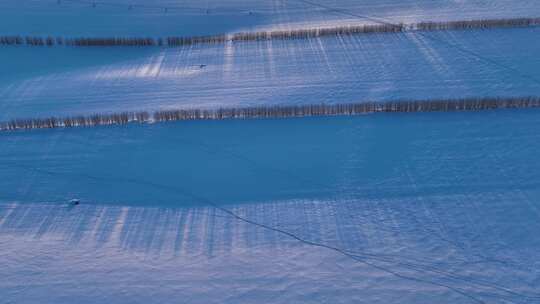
(173, 41)
(278, 111)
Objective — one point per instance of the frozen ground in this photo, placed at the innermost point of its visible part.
(372, 156)
(498, 62)
(189, 17)
(389, 208)
(432, 208)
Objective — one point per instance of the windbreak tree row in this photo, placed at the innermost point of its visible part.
(172, 41)
(447, 105)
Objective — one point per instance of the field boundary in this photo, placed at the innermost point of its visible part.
(278, 111)
(173, 41)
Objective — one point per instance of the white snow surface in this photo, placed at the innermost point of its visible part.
(389, 208)
(378, 67)
(424, 208)
(190, 17)
(421, 250)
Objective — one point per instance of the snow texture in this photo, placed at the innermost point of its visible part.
(378, 67)
(389, 208)
(189, 17)
(383, 208)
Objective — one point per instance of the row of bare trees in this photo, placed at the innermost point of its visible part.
(268, 35)
(51, 41)
(471, 104)
(466, 104)
(319, 32)
(179, 41)
(118, 41)
(477, 24)
(76, 121)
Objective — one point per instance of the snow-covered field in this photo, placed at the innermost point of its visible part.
(379, 208)
(189, 17)
(414, 208)
(443, 249)
(378, 67)
(231, 162)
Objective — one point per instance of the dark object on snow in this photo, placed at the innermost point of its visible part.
(202, 66)
(74, 202)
